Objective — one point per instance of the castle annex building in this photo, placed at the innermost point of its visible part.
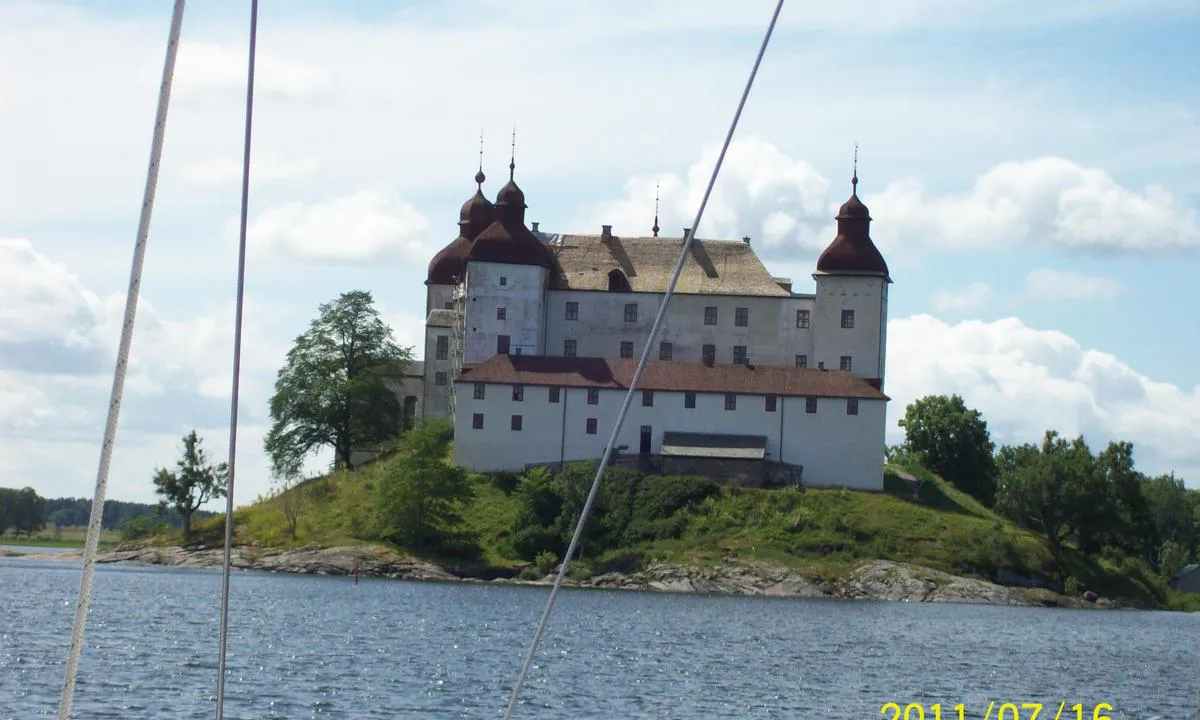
(532, 340)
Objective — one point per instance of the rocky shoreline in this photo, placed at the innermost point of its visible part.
(874, 580)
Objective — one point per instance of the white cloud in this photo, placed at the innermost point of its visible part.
(784, 201)
(1026, 381)
(1048, 201)
(363, 227)
(57, 347)
(203, 67)
(227, 171)
(973, 297)
(1049, 284)
(760, 192)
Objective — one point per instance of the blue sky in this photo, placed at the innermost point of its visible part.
(1033, 172)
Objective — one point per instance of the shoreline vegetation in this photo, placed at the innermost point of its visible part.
(920, 540)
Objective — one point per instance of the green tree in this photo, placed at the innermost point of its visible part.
(1175, 514)
(1053, 489)
(333, 390)
(194, 482)
(1127, 524)
(953, 441)
(419, 496)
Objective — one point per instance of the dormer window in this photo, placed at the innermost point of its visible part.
(617, 282)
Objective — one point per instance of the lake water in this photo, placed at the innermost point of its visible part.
(316, 647)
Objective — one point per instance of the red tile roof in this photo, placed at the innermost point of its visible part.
(616, 374)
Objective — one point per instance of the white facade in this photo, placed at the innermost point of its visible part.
(489, 295)
(505, 305)
(832, 446)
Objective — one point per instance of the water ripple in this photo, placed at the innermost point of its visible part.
(314, 647)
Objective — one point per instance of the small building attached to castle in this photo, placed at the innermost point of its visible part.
(532, 340)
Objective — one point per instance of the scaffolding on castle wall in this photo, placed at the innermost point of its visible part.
(458, 339)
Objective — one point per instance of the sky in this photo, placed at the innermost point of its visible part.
(1033, 171)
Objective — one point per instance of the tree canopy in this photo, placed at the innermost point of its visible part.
(333, 390)
(194, 482)
(419, 495)
(953, 441)
(21, 510)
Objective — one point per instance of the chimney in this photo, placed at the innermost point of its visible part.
(606, 232)
(685, 232)
(535, 227)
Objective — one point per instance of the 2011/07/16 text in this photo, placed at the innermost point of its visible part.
(1007, 711)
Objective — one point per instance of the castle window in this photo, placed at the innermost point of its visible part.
(572, 311)
(810, 405)
(771, 400)
(617, 282)
(846, 363)
(503, 280)
(477, 421)
(710, 315)
(516, 422)
(665, 351)
(801, 361)
(647, 398)
(480, 390)
(502, 344)
(689, 400)
(851, 406)
(740, 356)
(630, 312)
(626, 349)
(593, 396)
(570, 347)
(802, 318)
(730, 401)
(741, 316)
(440, 378)
(443, 347)
(554, 393)
(847, 318)
(591, 426)
(501, 313)
(708, 354)
(518, 393)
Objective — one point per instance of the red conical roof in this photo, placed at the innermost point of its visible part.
(852, 252)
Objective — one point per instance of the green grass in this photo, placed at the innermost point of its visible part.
(823, 532)
(62, 537)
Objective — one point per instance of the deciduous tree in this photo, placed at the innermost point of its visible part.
(195, 481)
(333, 389)
(953, 441)
(419, 496)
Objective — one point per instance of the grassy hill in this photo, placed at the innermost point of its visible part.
(825, 533)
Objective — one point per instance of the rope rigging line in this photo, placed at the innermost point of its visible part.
(237, 361)
(637, 374)
(122, 363)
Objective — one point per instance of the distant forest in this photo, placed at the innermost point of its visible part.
(23, 511)
(78, 511)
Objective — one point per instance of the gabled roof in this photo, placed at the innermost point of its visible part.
(617, 374)
(713, 267)
(1185, 570)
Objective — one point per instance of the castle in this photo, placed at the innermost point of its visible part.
(531, 340)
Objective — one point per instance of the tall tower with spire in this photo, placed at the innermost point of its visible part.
(850, 315)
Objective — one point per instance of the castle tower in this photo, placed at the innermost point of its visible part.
(507, 274)
(444, 305)
(850, 317)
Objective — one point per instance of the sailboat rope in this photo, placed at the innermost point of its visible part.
(118, 386)
(237, 360)
(637, 374)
